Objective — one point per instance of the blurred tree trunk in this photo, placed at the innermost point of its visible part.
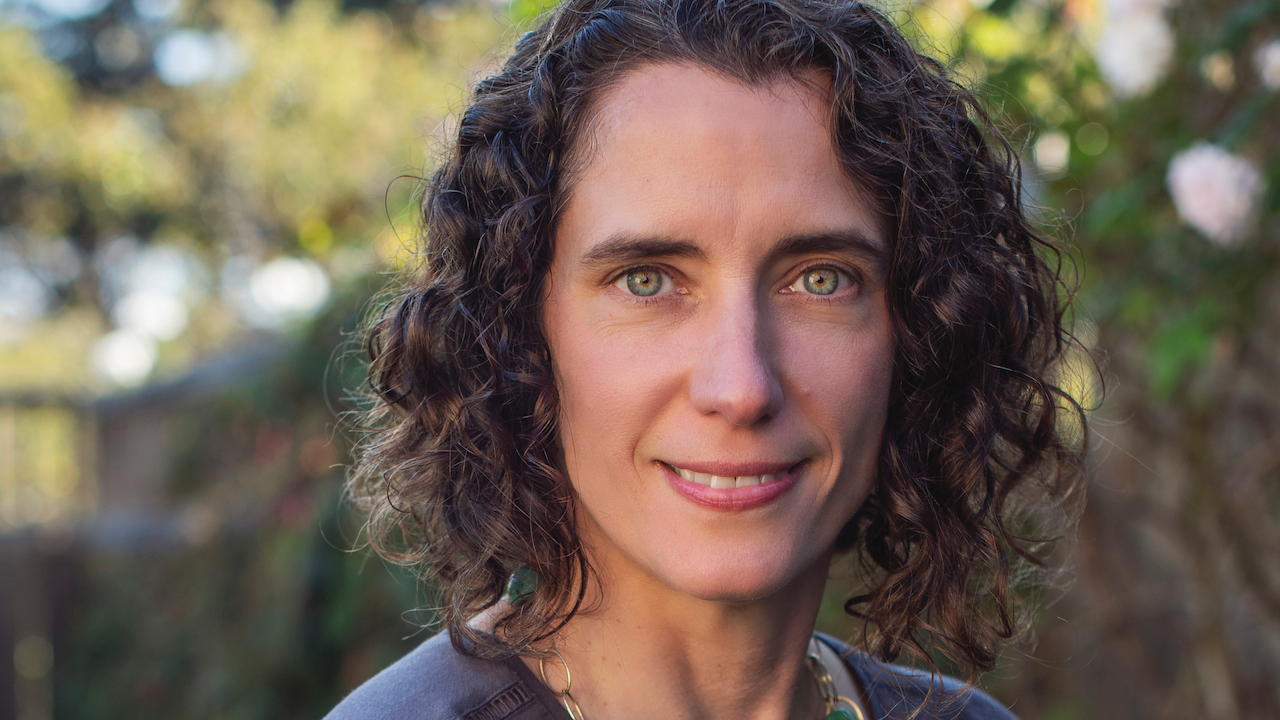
(1175, 608)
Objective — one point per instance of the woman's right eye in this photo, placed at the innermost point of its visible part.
(643, 282)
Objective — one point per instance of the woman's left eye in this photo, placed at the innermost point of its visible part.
(820, 281)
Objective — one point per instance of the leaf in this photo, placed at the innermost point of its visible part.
(1108, 208)
(1179, 348)
(525, 11)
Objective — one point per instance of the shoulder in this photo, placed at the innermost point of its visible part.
(435, 682)
(897, 692)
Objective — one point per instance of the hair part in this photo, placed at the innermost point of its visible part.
(462, 472)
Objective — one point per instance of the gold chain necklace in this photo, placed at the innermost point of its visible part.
(817, 668)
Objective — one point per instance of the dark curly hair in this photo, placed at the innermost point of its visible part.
(462, 471)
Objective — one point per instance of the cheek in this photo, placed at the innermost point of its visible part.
(843, 370)
(843, 380)
(611, 389)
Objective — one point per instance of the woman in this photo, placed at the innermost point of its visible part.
(714, 290)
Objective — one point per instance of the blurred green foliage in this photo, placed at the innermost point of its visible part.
(293, 153)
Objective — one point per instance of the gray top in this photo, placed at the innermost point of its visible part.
(436, 682)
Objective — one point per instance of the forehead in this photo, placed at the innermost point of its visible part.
(644, 104)
(707, 99)
(683, 150)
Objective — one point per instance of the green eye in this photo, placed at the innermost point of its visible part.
(644, 283)
(822, 281)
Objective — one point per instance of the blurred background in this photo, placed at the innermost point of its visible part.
(199, 198)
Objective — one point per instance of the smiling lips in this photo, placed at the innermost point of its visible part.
(723, 483)
(748, 488)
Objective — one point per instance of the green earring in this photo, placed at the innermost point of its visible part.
(522, 584)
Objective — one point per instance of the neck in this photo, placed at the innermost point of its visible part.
(647, 650)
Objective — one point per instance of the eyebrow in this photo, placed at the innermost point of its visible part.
(624, 248)
(846, 240)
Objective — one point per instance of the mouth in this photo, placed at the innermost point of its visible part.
(733, 486)
(724, 482)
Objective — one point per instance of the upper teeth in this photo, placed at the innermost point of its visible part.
(717, 481)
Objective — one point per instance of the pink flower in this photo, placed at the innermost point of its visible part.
(1215, 192)
(1267, 59)
(1134, 51)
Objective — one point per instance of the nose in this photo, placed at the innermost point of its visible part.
(736, 374)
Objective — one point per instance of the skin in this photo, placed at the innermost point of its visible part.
(733, 362)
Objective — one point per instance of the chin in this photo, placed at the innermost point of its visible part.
(737, 580)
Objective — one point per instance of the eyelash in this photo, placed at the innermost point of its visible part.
(851, 276)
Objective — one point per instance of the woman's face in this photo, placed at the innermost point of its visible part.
(717, 319)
